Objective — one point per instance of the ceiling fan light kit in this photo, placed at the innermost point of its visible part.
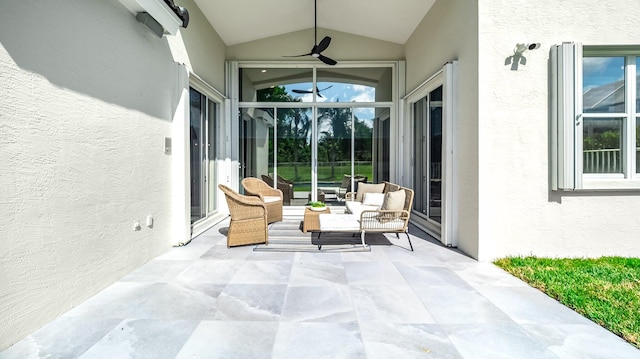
(316, 50)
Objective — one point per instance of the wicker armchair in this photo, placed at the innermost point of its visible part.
(282, 179)
(272, 197)
(248, 219)
(286, 188)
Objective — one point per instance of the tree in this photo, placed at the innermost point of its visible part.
(335, 143)
(275, 94)
(364, 141)
(604, 140)
(294, 132)
(293, 125)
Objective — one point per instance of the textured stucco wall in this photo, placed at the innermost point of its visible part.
(518, 212)
(449, 32)
(87, 95)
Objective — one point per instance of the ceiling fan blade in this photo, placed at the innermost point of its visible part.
(316, 50)
(327, 60)
(311, 91)
(324, 43)
(318, 93)
(309, 54)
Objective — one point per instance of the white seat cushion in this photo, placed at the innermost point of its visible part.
(356, 208)
(394, 224)
(270, 199)
(338, 223)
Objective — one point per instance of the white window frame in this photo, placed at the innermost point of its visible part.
(567, 120)
(396, 67)
(446, 231)
(213, 215)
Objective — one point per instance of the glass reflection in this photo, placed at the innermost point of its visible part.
(603, 85)
(602, 143)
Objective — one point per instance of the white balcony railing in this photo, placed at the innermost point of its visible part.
(604, 161)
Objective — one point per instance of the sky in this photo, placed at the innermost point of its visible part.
(601, 70)
(339, 91)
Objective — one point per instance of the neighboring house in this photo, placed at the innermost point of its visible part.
(102, 124)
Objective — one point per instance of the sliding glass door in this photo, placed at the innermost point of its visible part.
(427, 139)
(276, 147)
(431, 146)
(202, 127)
(317, 138)
(346, 146)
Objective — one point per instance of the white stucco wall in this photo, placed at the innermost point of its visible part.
(504, 203)
(449, 32)
(518, 214)
(200, 47)
(87, 96)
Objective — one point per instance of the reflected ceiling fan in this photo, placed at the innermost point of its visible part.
(311, 91)
(316, 50)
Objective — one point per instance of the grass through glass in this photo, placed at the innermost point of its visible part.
(606, 290)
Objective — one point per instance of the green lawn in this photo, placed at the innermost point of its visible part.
(605, 290)
(324, 173)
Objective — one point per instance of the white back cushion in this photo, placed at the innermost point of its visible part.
(373, 199)
(368, 188)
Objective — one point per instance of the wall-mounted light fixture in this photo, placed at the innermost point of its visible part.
(521, 48)
(162, 17)
(151, 23)
(518, 58)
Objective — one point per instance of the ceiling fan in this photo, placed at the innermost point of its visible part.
(311, 91)
(316, 50)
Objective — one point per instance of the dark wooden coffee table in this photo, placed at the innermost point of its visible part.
(311, 222)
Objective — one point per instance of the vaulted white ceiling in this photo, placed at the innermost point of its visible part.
(238, 21)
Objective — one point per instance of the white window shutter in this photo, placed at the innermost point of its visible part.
(566, 113)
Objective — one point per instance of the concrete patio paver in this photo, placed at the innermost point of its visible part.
(207, 301)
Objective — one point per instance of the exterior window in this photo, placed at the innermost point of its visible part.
(315, 130)
(637, 111)
(595, 137)
(602, 145)
(603, 95)
(637, 144)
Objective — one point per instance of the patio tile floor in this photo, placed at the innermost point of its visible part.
(207, 301)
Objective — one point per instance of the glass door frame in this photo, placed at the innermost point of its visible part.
(314, 133)
(275, 107)
(352, 106)
(212, 167)
(446, 230)
(234, 86)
